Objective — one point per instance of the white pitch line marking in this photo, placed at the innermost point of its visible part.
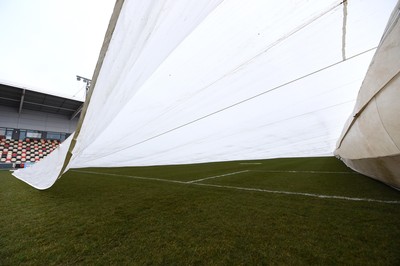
(302, 194)
(306, 172)
(212, 177)
(249, 189)
(250, 163)
(131, 176)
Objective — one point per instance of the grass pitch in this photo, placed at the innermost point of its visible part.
(283, 211)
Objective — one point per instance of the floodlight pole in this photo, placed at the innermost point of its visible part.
(85, 80)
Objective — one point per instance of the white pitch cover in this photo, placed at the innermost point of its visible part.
(202, 81)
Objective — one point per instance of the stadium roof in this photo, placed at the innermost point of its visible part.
(22, 98)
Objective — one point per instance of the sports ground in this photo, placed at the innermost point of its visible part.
(282, 211)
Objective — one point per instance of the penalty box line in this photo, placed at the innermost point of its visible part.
(249, 189)
(212, 177)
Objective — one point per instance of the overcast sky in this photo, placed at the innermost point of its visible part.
(46, 43)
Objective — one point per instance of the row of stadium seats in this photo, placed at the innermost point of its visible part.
(28, 150)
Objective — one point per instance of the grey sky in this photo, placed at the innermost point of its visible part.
(46, 43)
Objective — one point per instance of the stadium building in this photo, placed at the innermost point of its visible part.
(32, 124)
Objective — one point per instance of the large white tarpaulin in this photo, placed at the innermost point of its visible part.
(199, 81)
(370, 142)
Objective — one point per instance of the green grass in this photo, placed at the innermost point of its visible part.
(111, 219)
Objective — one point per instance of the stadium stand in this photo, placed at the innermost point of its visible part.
(28, 150)
(33, 124)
